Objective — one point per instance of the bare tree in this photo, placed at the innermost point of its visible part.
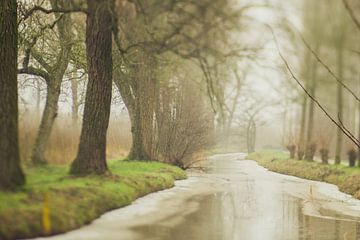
(52, 72)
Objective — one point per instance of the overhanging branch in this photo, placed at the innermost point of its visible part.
(54, 10)
(352, 14)
(36, 72)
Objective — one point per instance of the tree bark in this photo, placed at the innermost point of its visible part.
(147, 96)
(129, 91)
(47, 122)
(143, 116)
(91, 157)
(138, 151)
(138, 93)
(11, 175)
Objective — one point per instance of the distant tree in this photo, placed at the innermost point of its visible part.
(52, 70)
(11, 174)
(339, 44)
(148, 33)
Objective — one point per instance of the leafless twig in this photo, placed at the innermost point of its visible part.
(338, 124)
(352, 14)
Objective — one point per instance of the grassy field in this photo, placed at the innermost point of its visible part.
(72, 202)
(346, 178)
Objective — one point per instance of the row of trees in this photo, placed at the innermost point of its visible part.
(329, 72)
(166, 58)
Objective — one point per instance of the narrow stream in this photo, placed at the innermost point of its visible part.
(218, 218)
(256, 206)
(236, 199)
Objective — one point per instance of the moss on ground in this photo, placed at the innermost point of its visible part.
(346, 178)
(74, 202)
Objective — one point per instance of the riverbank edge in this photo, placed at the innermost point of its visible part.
(345, 178)
(52, 202)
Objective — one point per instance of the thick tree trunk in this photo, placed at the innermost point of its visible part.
(11, 174)
(91, 157)
(129, 91)
(141, 121)
(138, 151)
(147, 105)
(139, 95)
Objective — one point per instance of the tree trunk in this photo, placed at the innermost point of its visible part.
(75, 102)
(339, 136)
(301, 144)
(147, 96)
(310, 144)
(53, 90)
(91, 157)
(137, 151)
(358, 104)
(11, 174)
(38, 98)
(47, 122)
(141, 121)
(251, 135)
(324, 152)
(129, 91)
(139, 95)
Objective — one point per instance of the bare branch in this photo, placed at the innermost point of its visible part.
(36, 72)
(352, 14)
(54, 10)
(339, 125)
(328, 68)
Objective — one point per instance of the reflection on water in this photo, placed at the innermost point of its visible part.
(252, 208)
(219, 217)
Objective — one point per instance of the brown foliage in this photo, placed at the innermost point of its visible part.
(64, 139)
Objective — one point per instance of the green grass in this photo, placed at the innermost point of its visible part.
(346, 178)
(74, 202)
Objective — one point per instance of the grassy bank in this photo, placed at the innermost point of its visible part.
(346, 178)
(73, 202)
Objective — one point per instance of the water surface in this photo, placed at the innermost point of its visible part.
(236, 199)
